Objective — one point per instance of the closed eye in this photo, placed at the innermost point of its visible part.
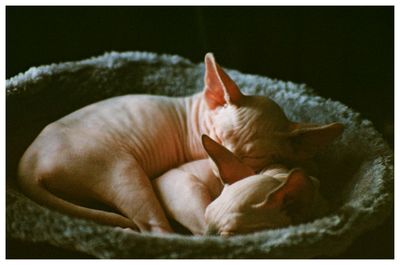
(257, 163)
(260, 162)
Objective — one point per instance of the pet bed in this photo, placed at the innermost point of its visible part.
(356, 171)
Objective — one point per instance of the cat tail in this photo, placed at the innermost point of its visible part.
(35, 190)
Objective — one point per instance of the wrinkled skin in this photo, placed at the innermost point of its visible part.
(107, 153)
(261, 202)
(237, 200)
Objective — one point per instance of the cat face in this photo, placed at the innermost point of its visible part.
(255, 128)
(246, 207)
(250, 202)
(250, 131)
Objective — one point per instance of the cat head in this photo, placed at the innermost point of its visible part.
(250, 202)
(255, 128)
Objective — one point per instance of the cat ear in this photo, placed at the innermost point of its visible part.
(230, 168)
(308, 139)
(295, 197)
(219, 88)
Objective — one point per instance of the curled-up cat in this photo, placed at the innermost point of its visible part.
(108, 152)
(237, 200)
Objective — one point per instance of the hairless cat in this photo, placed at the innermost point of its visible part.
(234, 199)
(110, 151)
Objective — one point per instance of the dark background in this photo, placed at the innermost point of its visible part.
(344, 53)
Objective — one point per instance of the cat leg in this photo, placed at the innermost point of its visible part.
(131, 192)
(185, 194)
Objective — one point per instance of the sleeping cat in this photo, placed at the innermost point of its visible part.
(108, 152)
(235, 199)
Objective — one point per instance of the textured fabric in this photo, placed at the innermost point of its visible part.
(356, 171)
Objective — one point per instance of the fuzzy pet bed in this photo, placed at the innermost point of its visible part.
(356, 171)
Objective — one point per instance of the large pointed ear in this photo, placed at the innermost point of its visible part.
(308, 139)
(219, 88)
(230, 168)
(295, 196)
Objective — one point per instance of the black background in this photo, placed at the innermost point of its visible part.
(344, 53)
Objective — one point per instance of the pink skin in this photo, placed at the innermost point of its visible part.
(186, 191)
(236, 200)
(109, 152)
